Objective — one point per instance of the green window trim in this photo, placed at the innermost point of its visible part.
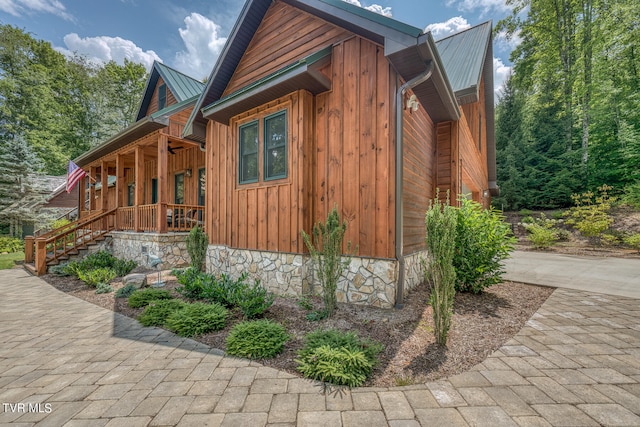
(248, 153)
(275, 146)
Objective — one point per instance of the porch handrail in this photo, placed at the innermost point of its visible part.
(184, 217)
(41, 231)
(63, 227)
(70, 239)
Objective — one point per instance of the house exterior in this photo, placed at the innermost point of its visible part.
(318, 103)
(312, 104)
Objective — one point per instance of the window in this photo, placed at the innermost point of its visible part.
(131, 194)
(179, 189)
(249, 153)
(263, 149)
(162, 96)
(201, 186)
(275, 146)
(154, 190)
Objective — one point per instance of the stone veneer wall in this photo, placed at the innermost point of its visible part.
(170, 247)
(369, 281)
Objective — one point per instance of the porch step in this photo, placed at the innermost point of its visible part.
(30, 268)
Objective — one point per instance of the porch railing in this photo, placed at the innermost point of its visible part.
(126, 217)
(184, 217)
(147, 217)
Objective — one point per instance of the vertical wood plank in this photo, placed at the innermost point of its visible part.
(384, 233)
(335, 137)
(284, 218)
(263, 215)
(367, 149)
(272, 218)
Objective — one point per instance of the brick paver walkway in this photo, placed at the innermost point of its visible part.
(576, 363)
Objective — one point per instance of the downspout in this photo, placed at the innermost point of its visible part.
(399, 247)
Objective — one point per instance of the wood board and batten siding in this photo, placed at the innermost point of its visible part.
(418, 171)
(285, 35)
(355, 151)
(153, 104)
(265, 215)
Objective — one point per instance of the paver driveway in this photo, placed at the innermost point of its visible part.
(576, 362)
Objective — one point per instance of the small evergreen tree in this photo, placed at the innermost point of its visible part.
(197, 247)
(441, 220)
(327, 255)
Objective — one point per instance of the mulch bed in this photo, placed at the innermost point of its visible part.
(481, 324)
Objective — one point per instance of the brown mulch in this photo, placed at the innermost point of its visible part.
(481, 324)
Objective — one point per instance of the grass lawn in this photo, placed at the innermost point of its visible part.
(6, 260)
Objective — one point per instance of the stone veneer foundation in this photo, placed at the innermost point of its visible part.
(368, 281)
(170, 247)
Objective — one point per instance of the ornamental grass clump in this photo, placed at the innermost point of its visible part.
(326, 253)
(257, 339)
(196, 319)
(337, 357)
(441, 223)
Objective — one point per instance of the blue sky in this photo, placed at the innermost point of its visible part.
(189, 34)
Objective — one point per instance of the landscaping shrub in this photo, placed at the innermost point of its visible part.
(123, 267)
(101, 259)
(326, 253)
(337, 357)
(254, 300)
(441, 222)
(483, 240)
(590, 215)
(125, 291)
(257, 339)
(541, 237)
(193, 283)
(143, 297)
(197, 242)
(11, 244)
(633, 241)
(60, 269)
(97, 275)
(157, 312)
(197, 318)
(103, 288)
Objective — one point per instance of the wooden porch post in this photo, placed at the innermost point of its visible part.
(104, 192)
(163, 187)
(92, 188)
(82, 194)
(29, 242)
(139, 189)
(119, 180)
(41, 256)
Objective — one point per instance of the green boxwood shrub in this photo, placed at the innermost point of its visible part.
(156, 313)
(257, 339)
(337, 357)
(143, 297)
(97, 275)
(197, 318)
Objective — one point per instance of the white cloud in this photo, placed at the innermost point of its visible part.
(501, 73)
(448, 27)
(484, 6)
(104, 49)
(203, 44)
(386, 11)
(507, 44)
(20, 7)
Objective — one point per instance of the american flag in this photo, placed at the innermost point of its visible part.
(74, 174)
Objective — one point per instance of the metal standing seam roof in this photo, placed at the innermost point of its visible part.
(463, 56)
(181, 86)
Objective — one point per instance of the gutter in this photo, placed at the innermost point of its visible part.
(399, 247)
